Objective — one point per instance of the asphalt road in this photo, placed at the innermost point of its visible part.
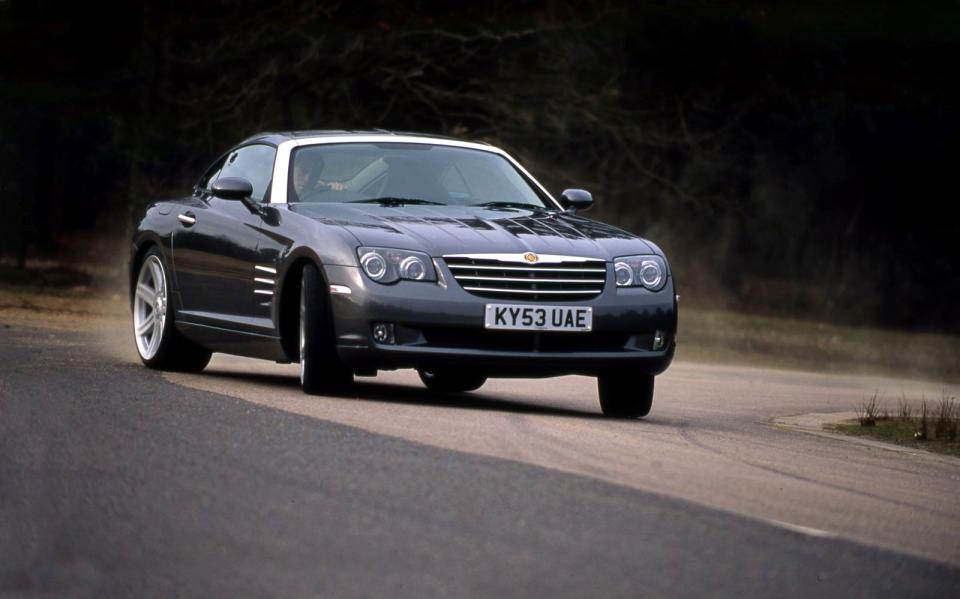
(117, 480)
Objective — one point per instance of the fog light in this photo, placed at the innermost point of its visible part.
(659, 339)
(383, 333)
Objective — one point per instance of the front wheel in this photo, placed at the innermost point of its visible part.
(320, 366)
(451, 381)
(624, 394)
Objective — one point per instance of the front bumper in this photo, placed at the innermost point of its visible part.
(441, 325)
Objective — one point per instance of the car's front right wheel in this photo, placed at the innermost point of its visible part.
(320, 366)
(625, 394)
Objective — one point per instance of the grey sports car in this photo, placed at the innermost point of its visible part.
(353, 252)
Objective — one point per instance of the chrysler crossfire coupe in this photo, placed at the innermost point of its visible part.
(352, 252)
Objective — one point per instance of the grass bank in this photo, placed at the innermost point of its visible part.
(931, 426)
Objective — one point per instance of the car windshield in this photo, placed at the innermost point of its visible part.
(398, 174)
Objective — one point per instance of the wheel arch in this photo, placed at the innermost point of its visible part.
(138, 252)
(288, 302)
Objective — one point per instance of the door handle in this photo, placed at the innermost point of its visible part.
(186, 219)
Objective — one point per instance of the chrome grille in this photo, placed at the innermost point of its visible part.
(512, 276)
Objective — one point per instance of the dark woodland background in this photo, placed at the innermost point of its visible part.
(795, 158)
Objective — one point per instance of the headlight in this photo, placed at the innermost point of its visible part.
(636, 271)
(385, 265)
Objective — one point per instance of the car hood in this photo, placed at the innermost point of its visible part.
(442, 230)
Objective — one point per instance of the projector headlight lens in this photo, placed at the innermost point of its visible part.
(412, 268)
(649, 272)
(374, 265)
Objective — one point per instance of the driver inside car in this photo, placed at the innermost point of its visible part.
(306, 178)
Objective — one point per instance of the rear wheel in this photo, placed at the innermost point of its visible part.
(625, 394)
(451, 381)
(159, 344)
(320, 366)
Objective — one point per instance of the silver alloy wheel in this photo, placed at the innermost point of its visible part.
(303, 332)
(150, 307)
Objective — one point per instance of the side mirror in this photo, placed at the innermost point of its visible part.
(232, 188)
(576, 199)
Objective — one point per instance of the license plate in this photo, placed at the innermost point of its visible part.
(538, 318)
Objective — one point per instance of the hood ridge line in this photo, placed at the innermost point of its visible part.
(432, 211)
(558, 234)
(498, 225)
(587, 238)
(575, 230)
(538, 231)
(539, 235)
(473, 230)
(514, 221)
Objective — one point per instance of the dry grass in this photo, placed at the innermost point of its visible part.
(868, 411)
(948, 419)
(942, 420)
(921, 434)
(905, 410)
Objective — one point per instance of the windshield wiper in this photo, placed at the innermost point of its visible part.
(522, 205)
(393, 202)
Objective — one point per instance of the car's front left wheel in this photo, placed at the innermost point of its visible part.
(320, 366)
(159, 344)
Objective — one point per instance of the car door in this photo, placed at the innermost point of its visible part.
(215, 243)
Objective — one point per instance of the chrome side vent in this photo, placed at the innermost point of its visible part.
(264, 286)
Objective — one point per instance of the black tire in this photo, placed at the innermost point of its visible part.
(625, 394)
(451, 381)
(175, 352)
(320, 366)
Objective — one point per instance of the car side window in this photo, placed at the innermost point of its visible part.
(211, 175)
(253, 163)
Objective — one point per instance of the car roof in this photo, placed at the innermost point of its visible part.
(277, 137)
